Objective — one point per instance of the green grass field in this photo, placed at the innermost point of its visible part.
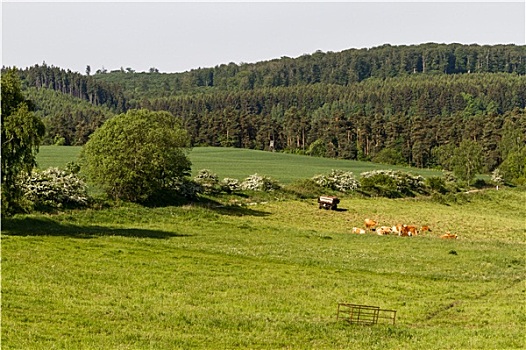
(240, 163)
(57, 156)
(266, 275)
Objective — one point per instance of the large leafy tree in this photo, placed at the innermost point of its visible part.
(137, 155)
(467, 160)
(512, 139)
(22, 132)
(514, 166)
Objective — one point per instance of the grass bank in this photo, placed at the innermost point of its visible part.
(265, 275)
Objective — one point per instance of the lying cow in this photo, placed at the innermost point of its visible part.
(406, 230)
(397, 229)
(384, 230)
(449, 235)
(412, 229)
(425, 228)
(357, 230)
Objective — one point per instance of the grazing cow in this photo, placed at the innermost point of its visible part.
(357, 230)
(384, 230)
(370, 224)
(449, 235)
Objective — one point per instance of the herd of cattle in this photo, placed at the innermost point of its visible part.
(398, 229)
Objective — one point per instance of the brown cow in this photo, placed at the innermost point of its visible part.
(425, 228)
(408, 231)
(413, 230)
(370, 224)
(404, 231)
(449, 235)
(397, 229)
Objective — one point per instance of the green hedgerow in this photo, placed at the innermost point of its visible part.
(230, 185)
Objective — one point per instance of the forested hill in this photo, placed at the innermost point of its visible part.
(116, 88)
(341, 68)
(391, 103)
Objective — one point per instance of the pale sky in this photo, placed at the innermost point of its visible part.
(179, 36)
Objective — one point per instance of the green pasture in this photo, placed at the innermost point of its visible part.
(57, 156)
(240, 163)
(231, 272)
(251, 271)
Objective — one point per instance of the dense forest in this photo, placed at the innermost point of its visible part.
(410, 115)
(339, 68)
(399, 104)
(74, 84)
(68, 120)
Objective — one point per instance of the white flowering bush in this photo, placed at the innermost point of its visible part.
(407, 182)
(208, 181)
(230, 185)
(55, 188)
(390, 183)
(496, 177)
(338, 180)
(259, 183)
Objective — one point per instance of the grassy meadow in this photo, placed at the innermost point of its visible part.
(237, 272)
(240, 163)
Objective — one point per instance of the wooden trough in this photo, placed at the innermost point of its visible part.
(365, 314)
(328, 202)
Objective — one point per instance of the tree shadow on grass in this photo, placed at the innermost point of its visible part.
(229, 209)
(47, 227)
(214, 205)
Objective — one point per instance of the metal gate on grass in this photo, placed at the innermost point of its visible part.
(365, 314)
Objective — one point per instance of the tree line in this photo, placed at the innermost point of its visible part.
(117, 88)
(83, 87)
(340, 68)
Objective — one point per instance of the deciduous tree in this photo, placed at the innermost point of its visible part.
(22, 132)
(467, 160)
(137, 155)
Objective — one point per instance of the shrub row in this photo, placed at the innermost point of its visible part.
(207, 182)
(55, 188)
(382, 183)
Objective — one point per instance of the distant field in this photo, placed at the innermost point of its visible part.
(56, 156)
(240, 163)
